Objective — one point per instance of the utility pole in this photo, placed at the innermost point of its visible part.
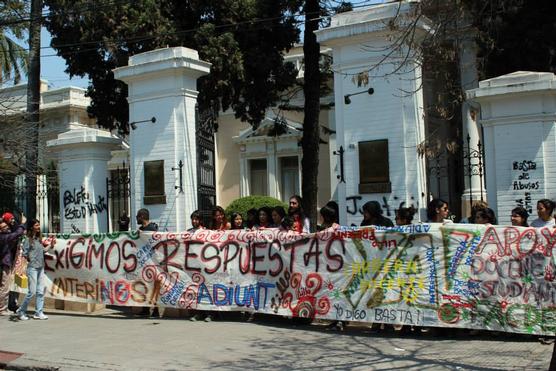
(33, 107)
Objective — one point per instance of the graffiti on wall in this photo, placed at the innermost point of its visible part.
(525, 177)
(457, 275)
(354, 205)
(78, 204)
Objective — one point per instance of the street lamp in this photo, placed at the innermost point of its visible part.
(134, 123)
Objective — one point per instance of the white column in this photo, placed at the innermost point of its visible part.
(83, 156)
(162, 84)
(243, 176)
(272, 169)
(469, 80)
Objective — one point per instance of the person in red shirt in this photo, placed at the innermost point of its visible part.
(301, 223)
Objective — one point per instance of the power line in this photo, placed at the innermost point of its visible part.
(140, 38)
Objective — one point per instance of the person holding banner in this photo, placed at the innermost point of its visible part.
(329, 218)
(301, 223)
(404, 215)
(34, 248)
(545, 209)
(485, 216)
(219, 221)
(196, 222)
(279, 218)
(372, 215)
(13, 248)
(265, 218)
(438, 211)
(519, 217)
(145, 225)
(7, 237)
(237, 221)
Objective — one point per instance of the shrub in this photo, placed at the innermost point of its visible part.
(241, 205)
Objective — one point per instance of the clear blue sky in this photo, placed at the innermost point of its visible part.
(53, 67)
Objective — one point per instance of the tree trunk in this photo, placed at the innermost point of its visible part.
(311, 132)
(33, 106)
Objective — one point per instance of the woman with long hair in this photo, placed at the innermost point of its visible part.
(519, 217)
(219, 221)
(485, 216)
(196, 221)
(372, 215)
(545, 209)
(237, 221)
(265, 218)
(252, 218)
(404, 215)
(33, 250)
(329, 217)
(437, 211)
(301, 223)
(279, 217)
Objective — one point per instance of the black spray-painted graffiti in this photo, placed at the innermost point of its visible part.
(77, 204)
(525, 182)
(353, 205)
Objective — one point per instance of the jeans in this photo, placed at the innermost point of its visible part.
(6, 277)
(36, 286)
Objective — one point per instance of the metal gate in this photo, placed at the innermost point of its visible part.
(119, 199)
(14, 191)
(448, 170)
(206, 125)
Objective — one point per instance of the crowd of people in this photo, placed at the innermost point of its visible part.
(33, 245)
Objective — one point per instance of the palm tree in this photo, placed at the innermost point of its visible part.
(13, 57)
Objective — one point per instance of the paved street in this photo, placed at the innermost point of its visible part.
(112, 341)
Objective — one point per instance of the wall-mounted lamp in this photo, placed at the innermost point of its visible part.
(369, 91)
(134, 123)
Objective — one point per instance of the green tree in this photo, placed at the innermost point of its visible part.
(515, 35)
(13, 57)
(244, 40)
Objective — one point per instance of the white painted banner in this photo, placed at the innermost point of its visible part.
(455, 275)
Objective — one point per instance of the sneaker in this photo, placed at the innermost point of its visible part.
(22, 316)
(40, 316)
(155, 313)
(195, 318)
(208, 318)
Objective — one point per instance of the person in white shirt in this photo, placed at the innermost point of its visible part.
(545, 209)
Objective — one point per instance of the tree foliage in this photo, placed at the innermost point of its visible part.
(244, 40)
(515, 35)
(243, 204)
(13, 57)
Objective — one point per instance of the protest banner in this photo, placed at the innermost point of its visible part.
(452, 275)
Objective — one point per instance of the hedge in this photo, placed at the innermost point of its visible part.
(241, 205)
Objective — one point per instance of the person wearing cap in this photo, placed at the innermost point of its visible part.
(8, 239)
(9, 219)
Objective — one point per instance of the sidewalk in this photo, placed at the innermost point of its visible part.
(111, 341)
